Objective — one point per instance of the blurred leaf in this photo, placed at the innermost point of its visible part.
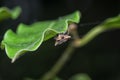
(108, 24)
(80, 77)
(5, 13)
(56, 78)
(30, 37)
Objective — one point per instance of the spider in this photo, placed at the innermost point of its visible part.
(61, 38)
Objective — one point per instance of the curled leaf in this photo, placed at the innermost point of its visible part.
(30, 37)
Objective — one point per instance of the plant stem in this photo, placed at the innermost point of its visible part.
(66, 55)
(60, 63)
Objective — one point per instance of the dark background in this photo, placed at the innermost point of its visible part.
(100, 59)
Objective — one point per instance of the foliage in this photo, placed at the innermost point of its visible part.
(30, 37)
(6, 13)
(81, 76)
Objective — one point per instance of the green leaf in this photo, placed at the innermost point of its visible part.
(30, 37)
(56, 78)
(5, 13)
(108, 24)
(80, 77)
